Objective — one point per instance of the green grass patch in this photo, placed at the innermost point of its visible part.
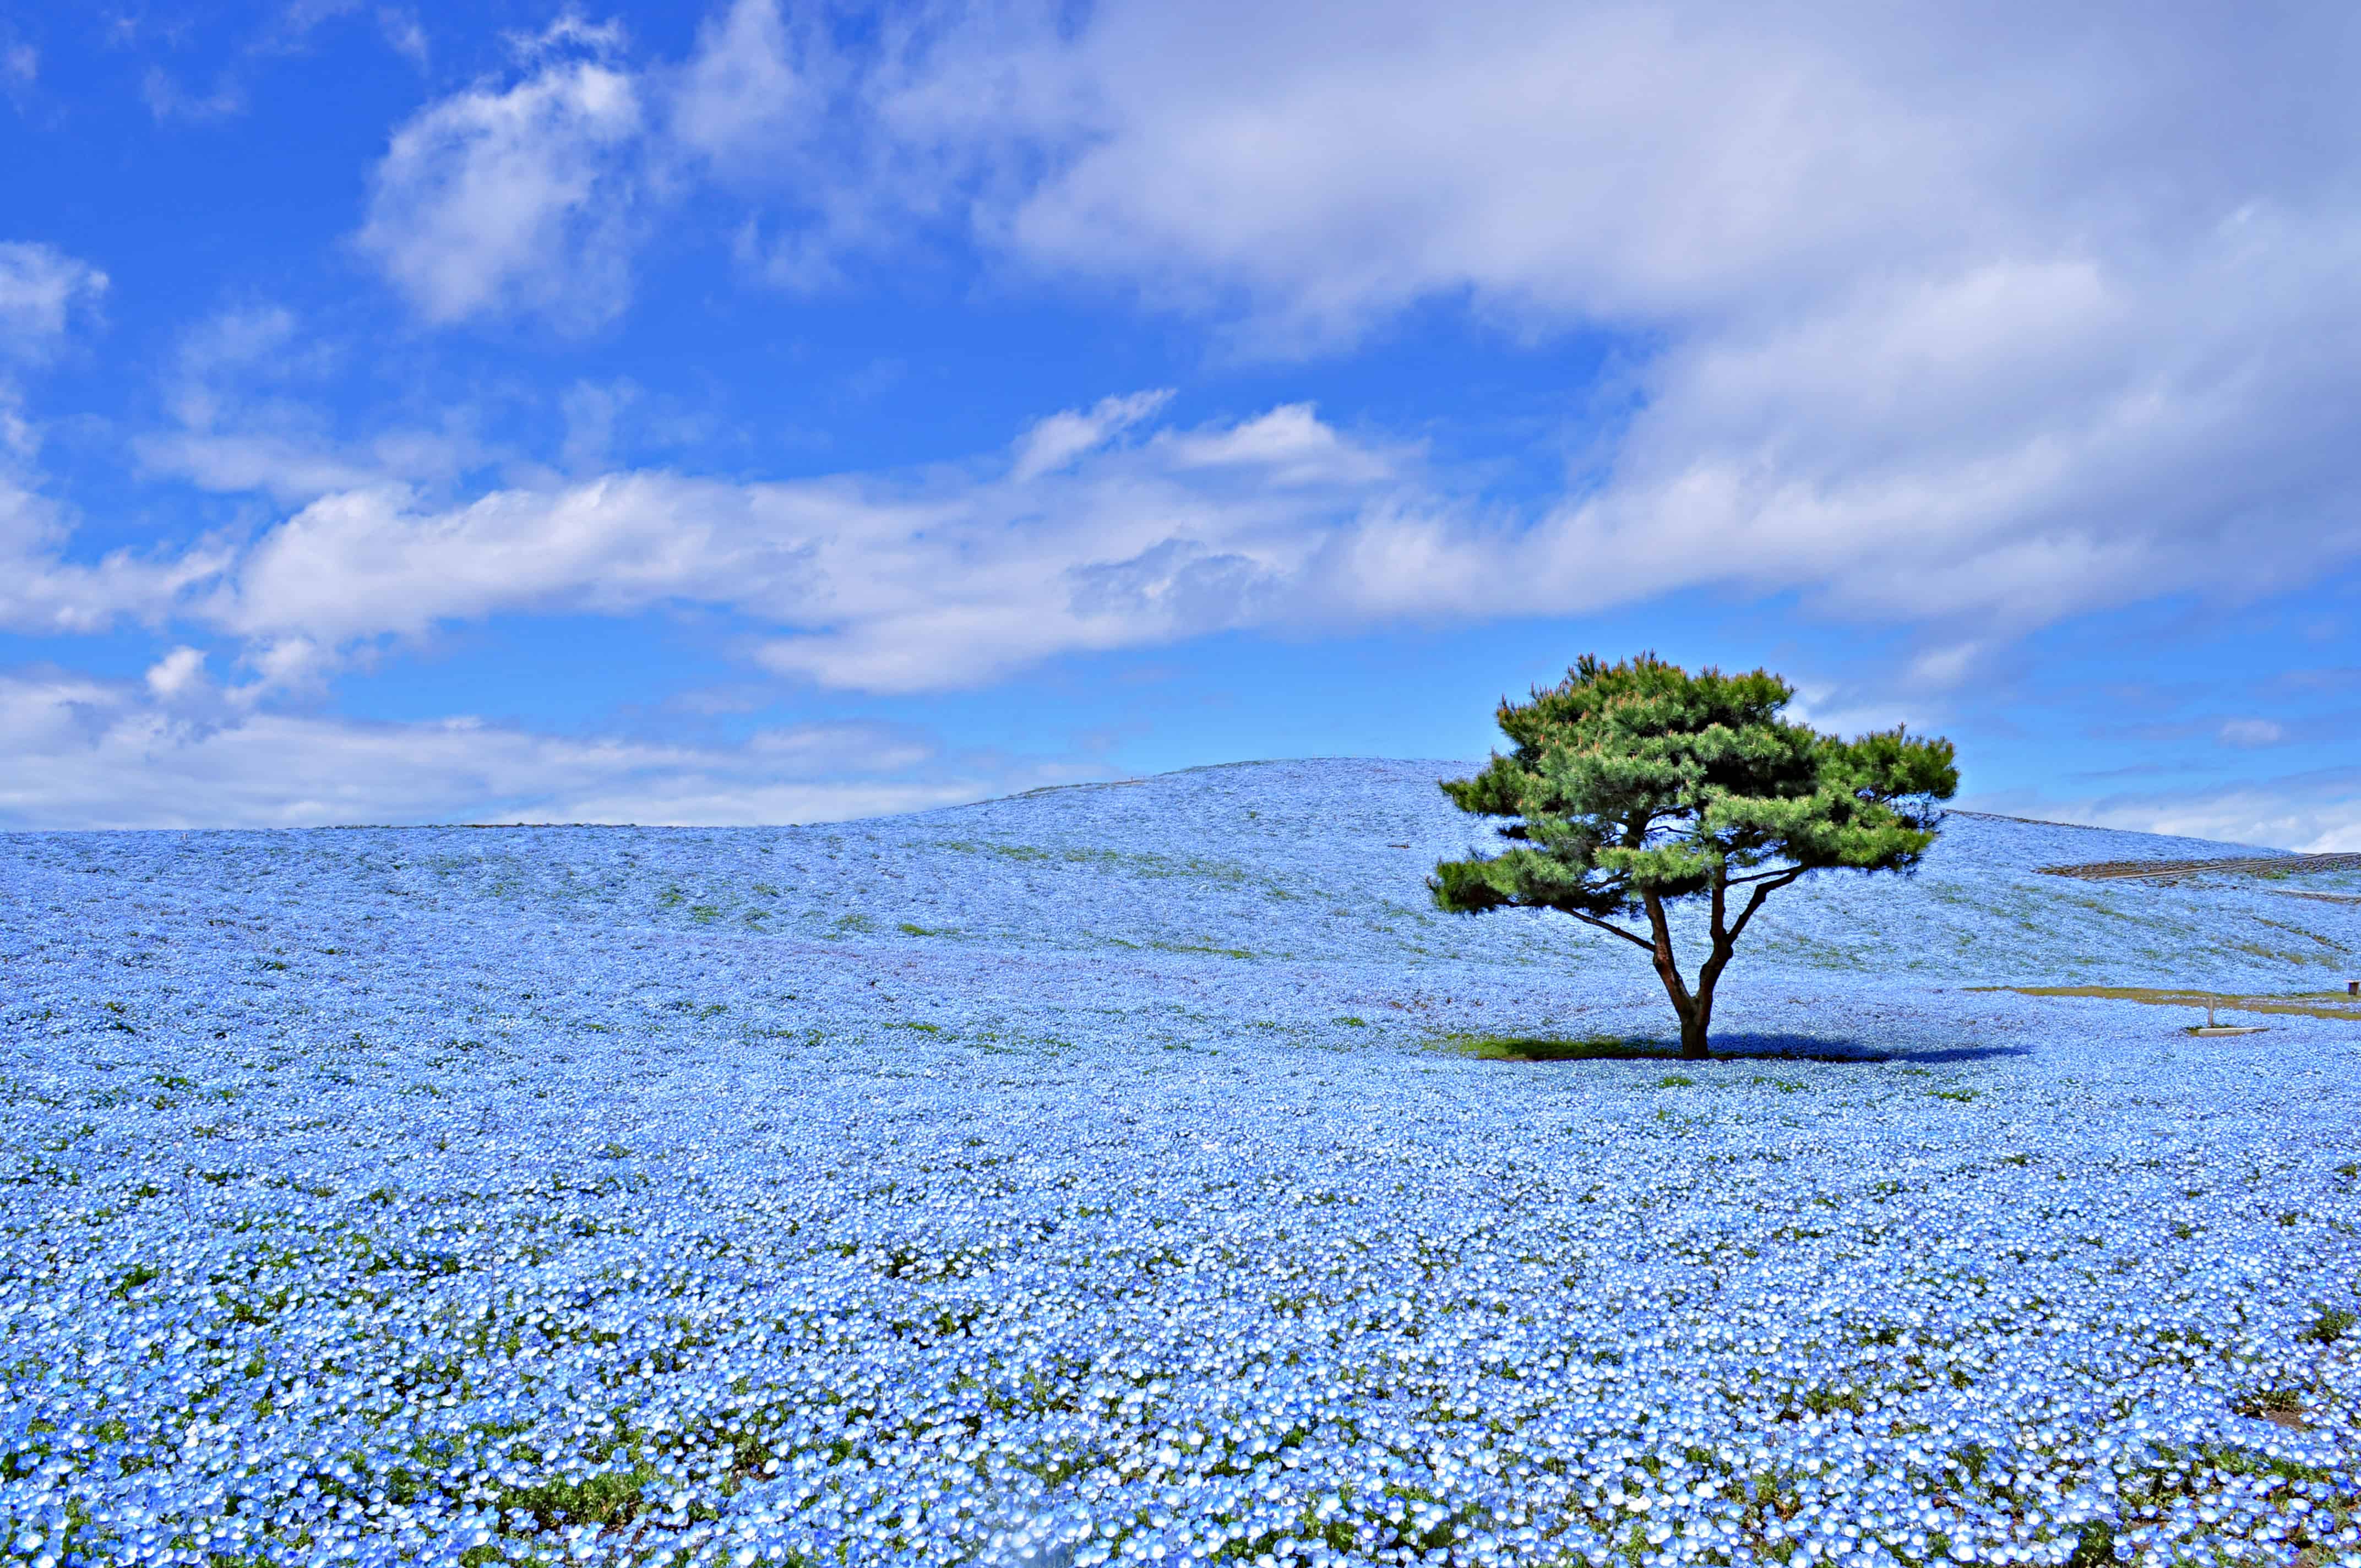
(1531, 1047)
(611, 1499)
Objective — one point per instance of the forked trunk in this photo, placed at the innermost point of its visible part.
(1694, 1012)
(1695, 1008)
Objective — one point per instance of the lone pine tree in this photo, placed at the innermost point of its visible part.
(1637, 784)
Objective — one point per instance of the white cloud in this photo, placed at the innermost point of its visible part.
(403, 35)
(42, 592)
(940, 579)
(1290, 444)
(2253, 732)
(1062, 437)
(40, 287)
(529, 197)
(518, 197)
(743, 94)
(178, 673)
(591, 411)
(168, 100)
(2311, 813)
(953, 577)
(244, 390)
(1965, 320)
(85, 752)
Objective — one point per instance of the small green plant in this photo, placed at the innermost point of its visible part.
(2332, 1324)
(1676, 1081)
(611, 1499)
(2095, 1547)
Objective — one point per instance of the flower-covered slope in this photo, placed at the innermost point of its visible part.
(1078, 1178)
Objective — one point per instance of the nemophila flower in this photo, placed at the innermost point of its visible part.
(601, 1196)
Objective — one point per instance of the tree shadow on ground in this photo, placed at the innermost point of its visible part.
(1734, 1047)
(1748, 1046)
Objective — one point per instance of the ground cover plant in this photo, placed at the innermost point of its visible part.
(1128, 1192)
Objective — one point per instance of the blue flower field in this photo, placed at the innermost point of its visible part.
(1115, 1174)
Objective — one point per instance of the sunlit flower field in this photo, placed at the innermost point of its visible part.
(1113, 1174)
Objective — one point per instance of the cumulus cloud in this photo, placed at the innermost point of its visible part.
(940, 579)
(1955, 318)
(845, 143)
(953, 577)
(1969, 320)
(527, 196)
(86, 753)
(516, 196)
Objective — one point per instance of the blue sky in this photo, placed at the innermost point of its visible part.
(765, 413)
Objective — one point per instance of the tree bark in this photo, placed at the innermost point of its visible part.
(1694, 1012)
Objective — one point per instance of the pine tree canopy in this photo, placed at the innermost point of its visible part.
(1637, 783)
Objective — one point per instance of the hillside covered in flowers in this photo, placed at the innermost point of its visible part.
(1117, 1174)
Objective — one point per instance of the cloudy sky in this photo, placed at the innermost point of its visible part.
(787, 411)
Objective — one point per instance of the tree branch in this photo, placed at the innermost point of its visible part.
(1641, 942)
(1762, 891)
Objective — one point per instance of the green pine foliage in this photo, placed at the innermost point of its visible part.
(1636, 785)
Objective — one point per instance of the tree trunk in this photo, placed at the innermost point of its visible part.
(1695, 1012)
(1700, 1018)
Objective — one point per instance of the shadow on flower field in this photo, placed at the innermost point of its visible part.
(1729, 1045)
